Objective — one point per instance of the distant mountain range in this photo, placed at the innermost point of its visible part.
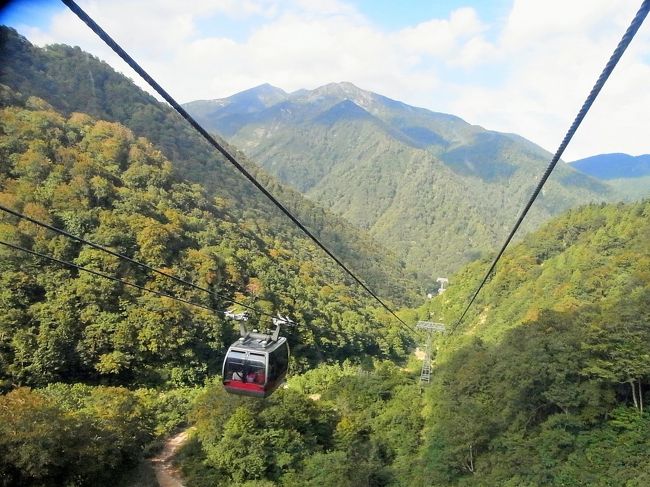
(614, 166)
(628, 175)
(433, 187)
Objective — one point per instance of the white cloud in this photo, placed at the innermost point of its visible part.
(552, 60)
(527, 73)
(440, 37)
(534, 22)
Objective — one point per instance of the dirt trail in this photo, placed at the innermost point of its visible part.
(166, 474)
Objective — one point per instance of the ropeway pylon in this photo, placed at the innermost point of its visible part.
(425, 375)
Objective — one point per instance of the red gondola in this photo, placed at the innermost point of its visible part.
(256, 364)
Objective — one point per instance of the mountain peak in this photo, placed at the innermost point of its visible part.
(343, 87)
(265, 93)
(266, 88)
(341, 91)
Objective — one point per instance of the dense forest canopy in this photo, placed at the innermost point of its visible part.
(595, 257)
(546, 387)
(96, 179)
(545, 382)
(60, 327)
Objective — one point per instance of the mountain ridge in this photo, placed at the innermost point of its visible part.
(409, 175)
(614, 165)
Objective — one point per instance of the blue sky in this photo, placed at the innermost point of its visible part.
(30, 12)
(386, 14)
(391, 14)
(509, 65)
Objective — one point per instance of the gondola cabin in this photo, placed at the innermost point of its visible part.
(256, 364)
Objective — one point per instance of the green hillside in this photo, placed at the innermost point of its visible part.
(115, 366)
(95, 178)
(545, 384)
(631, 189)
(592, 257)
(429, 185)
(74, 81)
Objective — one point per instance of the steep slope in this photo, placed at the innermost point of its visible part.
(546, 381)
(71, 80)
(555, 398)
(438, 190)
(94, 372)
(95, 178)
(594, 257)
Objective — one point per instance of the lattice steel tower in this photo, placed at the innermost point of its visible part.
(425, 375)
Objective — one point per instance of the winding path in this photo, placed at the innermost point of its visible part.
(167, 474)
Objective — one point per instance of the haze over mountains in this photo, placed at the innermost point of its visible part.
(435, 188)
(629, 175)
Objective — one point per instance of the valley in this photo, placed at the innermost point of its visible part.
(545, 382)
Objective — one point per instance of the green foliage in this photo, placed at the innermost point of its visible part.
(544, 384)
(431, 186)
(550, 371)
(593, 257)
(70, 436)
(77, 435)
(245, 439)
(74, 81)
(363, 430)
(322, 378)
(97, 179)
(63, 325)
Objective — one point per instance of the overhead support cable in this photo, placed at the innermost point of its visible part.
(609, 67)
(132, 261)
(105, 276)
(214, 143)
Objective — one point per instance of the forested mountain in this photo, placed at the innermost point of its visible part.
(96, 179)
(114, 367)
(59, 325)
(587, 260)
(544, 383)
(71, 80)
(438, 190)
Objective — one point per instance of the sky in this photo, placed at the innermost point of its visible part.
(521, 66)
